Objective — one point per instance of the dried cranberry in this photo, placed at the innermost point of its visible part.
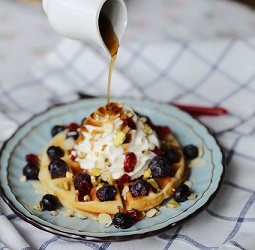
(130, 123)
(162, 131)
(135, 214)
(130, 162)
(72, 126)
(123, 179)
(72, 157)
(157, 151)
(83, 190)
(32, 158)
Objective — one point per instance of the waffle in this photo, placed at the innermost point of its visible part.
(123, 199)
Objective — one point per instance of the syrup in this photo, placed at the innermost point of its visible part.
(112, 43)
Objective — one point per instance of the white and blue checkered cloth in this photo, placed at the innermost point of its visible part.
(214, 72)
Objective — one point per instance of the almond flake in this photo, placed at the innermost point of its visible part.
(200, 151)
(188, 183)
(197, 163)
(69, 175)
(86, 198)
(106, 175)
(105, 219)
(124, 192)
(23, 178)
(152, 212)
(53, 213)
(192, 196)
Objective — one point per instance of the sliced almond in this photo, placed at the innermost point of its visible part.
(124, 192)
(188, 183)
(105, 219)
(152, 212)
(54, 213)
(106, 175)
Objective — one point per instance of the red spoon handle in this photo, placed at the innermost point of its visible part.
(201, 110)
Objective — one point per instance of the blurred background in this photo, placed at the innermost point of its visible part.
(23, 22)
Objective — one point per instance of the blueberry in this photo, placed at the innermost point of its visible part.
(57, 168)
(140, 188)
(72, 134)
(57, 129)
(159, 166)
(181, 193)
(31, 171)
(106, 193)
(55, 153)
(190, 151)
(79, 178)
(122, 220)
(49, 202)
(172, 155)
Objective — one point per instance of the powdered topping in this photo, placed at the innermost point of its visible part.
(110, 136)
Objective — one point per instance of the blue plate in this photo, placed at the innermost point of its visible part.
(32, 137)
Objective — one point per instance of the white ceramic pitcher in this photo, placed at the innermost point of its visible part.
(78, 19)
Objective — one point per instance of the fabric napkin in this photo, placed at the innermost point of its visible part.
(211, 73)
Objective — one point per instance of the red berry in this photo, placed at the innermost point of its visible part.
(135, 214)
(83, 190)
(73, 157)
(130, 123)
(73, 154)
(157, 151)
(72, 126)
(32, 158)
(130, 162)
(123, 179)
(162, 131)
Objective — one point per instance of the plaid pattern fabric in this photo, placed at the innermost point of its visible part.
(219, 73)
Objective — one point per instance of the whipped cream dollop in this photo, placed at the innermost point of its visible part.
(108, 135)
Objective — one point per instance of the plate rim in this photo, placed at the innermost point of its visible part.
(62, 233)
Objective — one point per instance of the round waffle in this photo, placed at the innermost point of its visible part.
(63, 187)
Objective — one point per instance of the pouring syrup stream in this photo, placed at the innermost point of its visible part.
(112, 43)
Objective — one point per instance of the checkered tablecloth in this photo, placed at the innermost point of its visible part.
(182, 62)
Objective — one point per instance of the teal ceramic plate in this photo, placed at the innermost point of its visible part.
(34, 135)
